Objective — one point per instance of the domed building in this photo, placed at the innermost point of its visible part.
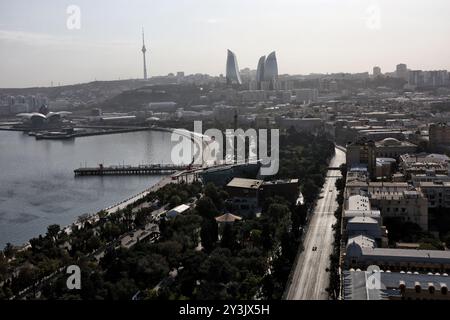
(41, 121)
(390, 142)
(393, 148)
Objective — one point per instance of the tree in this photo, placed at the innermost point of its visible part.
(343, 169)
(431, 244)
(220, 266)
(289, 246)
(266, 237)
(206, 208)
(110, 231)
(83, 218)
(27, 276)
(209, 234)
(9, 250)
(52, 231)
(310, 191)
(174, 201)
(340, 184)
(102, 214)
(213, 193)
(228, 237)
(171, 250)
(148, 271)
(93, 243)
(141, 218)
(124, 289)
(3, 266)
(280, 217)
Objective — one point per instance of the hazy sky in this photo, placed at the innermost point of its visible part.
(36, 47)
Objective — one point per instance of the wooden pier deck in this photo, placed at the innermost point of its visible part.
(152, 169)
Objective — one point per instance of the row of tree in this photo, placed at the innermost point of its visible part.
(56, 249)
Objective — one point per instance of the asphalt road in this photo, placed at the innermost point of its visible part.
(310, 278)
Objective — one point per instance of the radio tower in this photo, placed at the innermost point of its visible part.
(143, 54)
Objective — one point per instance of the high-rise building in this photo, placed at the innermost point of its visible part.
(376, 71)
(433, 78)
(232, 71)
(362, 152)
(436, 78)
(416, 78)
(439, 136)
(402, 71)
(271, 68)
(144, 50)
(260, 71)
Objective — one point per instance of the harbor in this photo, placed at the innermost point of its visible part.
(52, 194)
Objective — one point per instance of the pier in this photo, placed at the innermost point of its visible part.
(151, 169)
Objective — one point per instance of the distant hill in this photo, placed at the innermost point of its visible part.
(57, 91)
(183, 95)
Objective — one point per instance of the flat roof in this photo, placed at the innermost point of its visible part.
(389, 184)
(443, 184)
(281, 181)
(358, 202)
(357, 213)
(245, 183)
(180, 209)
(408, 253)
(364, 220)
(355, 283)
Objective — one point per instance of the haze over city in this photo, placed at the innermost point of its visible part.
(193, 35)
(178, 152)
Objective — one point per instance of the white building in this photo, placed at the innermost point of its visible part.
(305, 96)
(183, 208)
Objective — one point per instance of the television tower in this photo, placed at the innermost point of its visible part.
(144, 50)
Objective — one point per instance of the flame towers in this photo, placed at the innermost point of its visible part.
(267, 70)
(266, 73)
(260, 71)
(232, 72)
(271, 67)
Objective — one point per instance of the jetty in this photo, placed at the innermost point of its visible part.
(150, 169)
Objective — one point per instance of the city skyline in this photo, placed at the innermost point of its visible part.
(309, 37)
(178, 151)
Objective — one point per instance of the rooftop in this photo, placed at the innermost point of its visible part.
(422, 158)
(375, 214)
(358, 202)
(228, 217)
(363, 220)
(179, 209)
(363, 241)
(434, 184)
(408, 253)
(355, 284)
(245, 183)
(392, 142)
(284, 181)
